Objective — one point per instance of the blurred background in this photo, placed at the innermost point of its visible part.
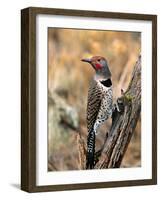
(68, 81)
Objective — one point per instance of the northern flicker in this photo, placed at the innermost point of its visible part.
(99, 105)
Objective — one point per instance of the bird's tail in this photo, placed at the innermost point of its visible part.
(90, 150)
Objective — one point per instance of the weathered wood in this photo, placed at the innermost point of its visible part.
(123, 124)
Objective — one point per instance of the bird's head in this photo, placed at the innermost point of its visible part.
(100, 65)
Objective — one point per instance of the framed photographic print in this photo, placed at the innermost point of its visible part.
(88, 99)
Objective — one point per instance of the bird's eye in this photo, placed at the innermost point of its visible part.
(99, 60)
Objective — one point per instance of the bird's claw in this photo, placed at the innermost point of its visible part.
(120, 105)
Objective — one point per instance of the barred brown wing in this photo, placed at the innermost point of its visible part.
(93, 105)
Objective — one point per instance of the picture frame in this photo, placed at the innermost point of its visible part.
(29, 92)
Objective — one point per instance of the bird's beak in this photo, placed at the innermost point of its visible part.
(88, 60)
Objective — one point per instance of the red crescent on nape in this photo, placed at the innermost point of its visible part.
(98, 66)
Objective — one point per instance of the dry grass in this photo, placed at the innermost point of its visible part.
(69, 78)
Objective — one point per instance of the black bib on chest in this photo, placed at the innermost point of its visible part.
(107, 83)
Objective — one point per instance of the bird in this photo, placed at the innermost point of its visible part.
(99, 103)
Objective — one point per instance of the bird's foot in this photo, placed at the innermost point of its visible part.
(120, 105)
